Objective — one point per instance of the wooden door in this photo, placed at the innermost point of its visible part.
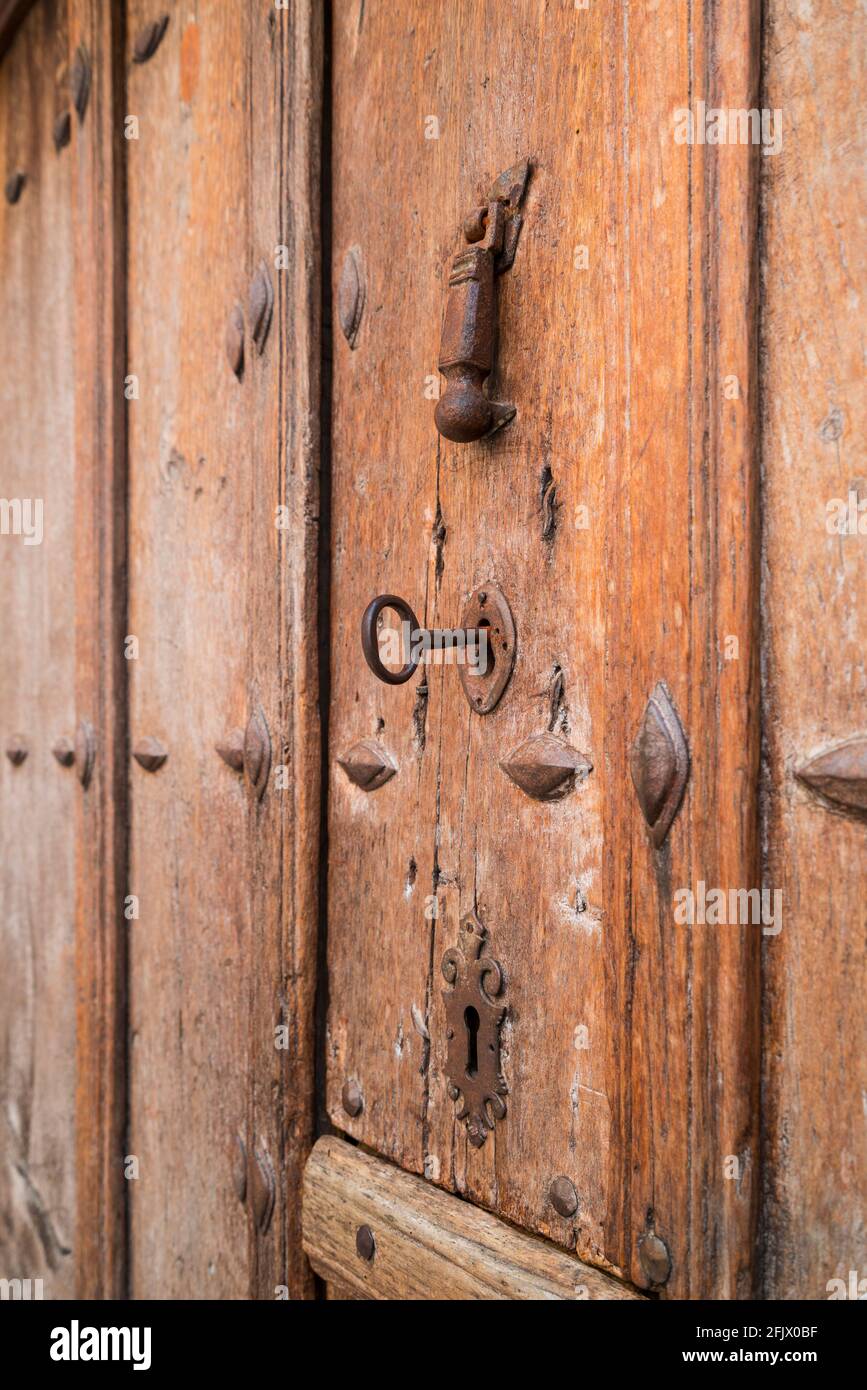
(269, 925)
(616, 513)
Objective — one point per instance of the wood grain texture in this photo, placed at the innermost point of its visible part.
(37, 845)
(631, 1043)
(223, 603)
(428, 1245)
(815, 631)
(97, 160)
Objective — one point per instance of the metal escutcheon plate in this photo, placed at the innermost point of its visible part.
(487, 608)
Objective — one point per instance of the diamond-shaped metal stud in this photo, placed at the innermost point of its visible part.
(64, 751)
(231, 749)
(16, 750)
(150, 754)
(368, 764)
(546, 767)
(839, 774)
(257, 753)
(659, 763)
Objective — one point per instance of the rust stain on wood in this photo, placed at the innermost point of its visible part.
(190, 47)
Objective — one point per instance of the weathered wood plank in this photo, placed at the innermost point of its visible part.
(631, 1042)
(37, 671)
(97, 155)
(223, 603)
(427, 1244)
(682, 558)
(815, 419)
(282, 617)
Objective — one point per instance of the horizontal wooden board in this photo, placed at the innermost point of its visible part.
(427, 1244)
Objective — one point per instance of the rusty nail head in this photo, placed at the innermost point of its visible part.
(235, 340)
(149, 39)
(149, 753)
(231, 750)
(62, 131)
(16, 750)
(79, 81)
(85, 751)
(365, 1243)
(13, 187)
(564, 1198)
(655, 1258)
(353, 1100)
(64, 751)
(257, 753)
(262, 1185)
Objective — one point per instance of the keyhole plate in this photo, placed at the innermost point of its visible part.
(474, 1014)
(487, 609)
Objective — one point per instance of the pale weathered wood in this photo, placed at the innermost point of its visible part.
(428, 1245)
(97, 154)
(631, 1043)
(37, 669)
(815, 635)
(223, 604)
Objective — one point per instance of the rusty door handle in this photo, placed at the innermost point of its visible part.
(464, 412)
(484, 644)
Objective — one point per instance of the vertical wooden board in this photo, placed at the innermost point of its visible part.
(223, 172)
(94, 75)
(630, 1045)
(382, 845)
(37, 699)
(815, 578)
(189, 521)
(286, 54)
(682, 555)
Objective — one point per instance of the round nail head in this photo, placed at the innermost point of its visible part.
(655, 1258)
(353, 1100)
(564, 1198)
(365, 1243)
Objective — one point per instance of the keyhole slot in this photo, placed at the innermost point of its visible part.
(471, 1020)
(485, 665)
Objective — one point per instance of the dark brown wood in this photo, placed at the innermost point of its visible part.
(12, 12)
(617, 512)
(97, 157)
(37, 797)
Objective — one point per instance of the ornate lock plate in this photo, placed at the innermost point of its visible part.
(473, 1019)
